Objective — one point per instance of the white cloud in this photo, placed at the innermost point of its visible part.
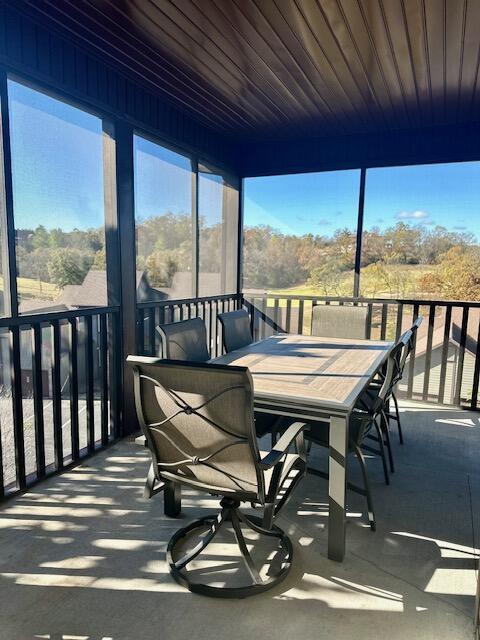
(412, 215)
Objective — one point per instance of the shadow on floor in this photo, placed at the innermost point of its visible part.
(83, 554)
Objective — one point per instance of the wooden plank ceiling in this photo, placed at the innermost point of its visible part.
(283, 69)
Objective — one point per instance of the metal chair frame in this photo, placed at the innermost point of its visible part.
(272, 498)
(355, 445)
(395, 415)
(383, 392)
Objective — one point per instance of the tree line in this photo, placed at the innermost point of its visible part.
(272, 260)
(451, 260)
(164, 246)
(59, 257)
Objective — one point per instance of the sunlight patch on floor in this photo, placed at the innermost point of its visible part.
(467, 422)
(338, 593)
(91, 582)
(456, 582)
(443, 545)
(76, 562)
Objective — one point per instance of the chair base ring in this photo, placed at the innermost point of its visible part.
(255, 587)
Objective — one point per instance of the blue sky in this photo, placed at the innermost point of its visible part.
(320, 203)
(58, 182)
(163, 180)
(57, 162)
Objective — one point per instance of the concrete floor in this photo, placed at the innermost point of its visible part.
(82, 556)
(7, 437)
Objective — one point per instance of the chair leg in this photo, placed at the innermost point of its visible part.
(230, 513)
(252, 569)
(400, 433)
(150, 489)
(382, 452)
(172, 504)
(387, 440)
(275, 430)
(149, 483)
(204, 542)
(371, 513)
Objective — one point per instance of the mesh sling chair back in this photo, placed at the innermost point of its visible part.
(406, 352)
(335, 321)
(236, 329)
(237, 334)
(199, 427)
(377, 397)
(184, 340)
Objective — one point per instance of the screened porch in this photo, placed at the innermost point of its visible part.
(179, 159)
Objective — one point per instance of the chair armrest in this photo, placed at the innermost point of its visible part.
(280, 449)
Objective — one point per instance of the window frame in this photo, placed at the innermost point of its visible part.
(7, 219)
(360, 212)
(359, 221)
(229, 178)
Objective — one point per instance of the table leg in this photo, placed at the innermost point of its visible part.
(337, 487)
(172, 497)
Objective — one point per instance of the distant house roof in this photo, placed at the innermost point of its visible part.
(36, 305)
(91, 293)
(210, 284)
(439, 330)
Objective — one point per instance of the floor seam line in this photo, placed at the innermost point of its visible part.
(475, 559)
(414, 586)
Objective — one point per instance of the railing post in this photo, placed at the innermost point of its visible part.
(195, 230)
(240, 241)
(128, 301)
(114, 278)
(7, 226)
(358, 247)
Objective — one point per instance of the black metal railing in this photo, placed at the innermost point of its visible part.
(61, 373)
(60, 380)
(444, 366)
(151, 314)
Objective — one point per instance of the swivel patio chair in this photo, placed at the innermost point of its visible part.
(199, 428)
(237, 334)
(335, 321)
(185, 340)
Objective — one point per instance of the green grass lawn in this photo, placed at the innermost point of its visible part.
(411, 272)
(31, 288)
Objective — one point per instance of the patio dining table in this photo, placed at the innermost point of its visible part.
(315, 379)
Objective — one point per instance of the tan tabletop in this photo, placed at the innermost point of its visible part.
(306, 373)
